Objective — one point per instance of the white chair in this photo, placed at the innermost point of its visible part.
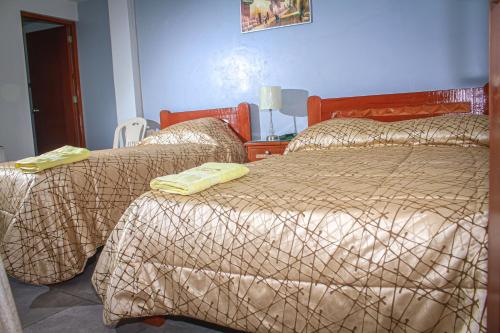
(129, 133)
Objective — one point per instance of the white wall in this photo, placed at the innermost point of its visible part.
(126, 72)
(15, 119)
(193, 56)
(96, 74)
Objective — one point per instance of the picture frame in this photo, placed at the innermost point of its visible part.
(258, 15)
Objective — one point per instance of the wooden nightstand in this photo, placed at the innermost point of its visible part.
(258, 150)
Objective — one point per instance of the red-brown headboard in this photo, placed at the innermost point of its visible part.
(319, 109)
(238, 118)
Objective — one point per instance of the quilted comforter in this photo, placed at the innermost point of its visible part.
(52, 222)
(367, 238)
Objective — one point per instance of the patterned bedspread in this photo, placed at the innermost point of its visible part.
(53, 221)
(361, 239)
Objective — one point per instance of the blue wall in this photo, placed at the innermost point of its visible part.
(96, 73)
(192, 54)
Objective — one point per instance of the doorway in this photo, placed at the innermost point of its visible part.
(53, 82)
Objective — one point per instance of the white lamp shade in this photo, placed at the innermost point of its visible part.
(270, 98)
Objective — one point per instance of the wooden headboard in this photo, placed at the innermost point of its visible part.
(378, 106)
(238, 118)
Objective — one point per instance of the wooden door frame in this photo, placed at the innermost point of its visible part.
(493, 298)
(76, 108)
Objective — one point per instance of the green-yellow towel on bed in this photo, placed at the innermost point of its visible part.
(200, 178)
(60, 156)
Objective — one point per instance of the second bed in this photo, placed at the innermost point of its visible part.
(51, 222)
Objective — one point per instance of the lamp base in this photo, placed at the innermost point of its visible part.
(272, 138)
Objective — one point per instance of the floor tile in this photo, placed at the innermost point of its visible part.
(80, 319)
(35, 303)
(178, 327)
(81, 285)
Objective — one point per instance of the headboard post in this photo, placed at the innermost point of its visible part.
(486, 95)
(165, 118)
(244, 122)
(314, 110)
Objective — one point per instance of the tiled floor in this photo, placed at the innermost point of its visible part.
(74, 307)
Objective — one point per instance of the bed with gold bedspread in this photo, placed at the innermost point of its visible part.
(361, 226)
(51, 222)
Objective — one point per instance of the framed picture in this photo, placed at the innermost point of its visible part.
(259, 15)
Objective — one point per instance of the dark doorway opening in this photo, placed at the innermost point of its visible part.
(53, 82)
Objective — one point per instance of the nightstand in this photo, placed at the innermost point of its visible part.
(258, 150)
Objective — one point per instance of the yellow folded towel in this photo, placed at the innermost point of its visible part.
(60, 156)
(200, 178)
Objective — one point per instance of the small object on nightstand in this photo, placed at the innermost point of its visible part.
(270, 98)
(287, 137)
(258, 150)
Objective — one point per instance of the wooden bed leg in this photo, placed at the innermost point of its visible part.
(155, 321)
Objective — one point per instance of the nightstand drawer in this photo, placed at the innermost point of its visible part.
(259, 153)
(261, 150)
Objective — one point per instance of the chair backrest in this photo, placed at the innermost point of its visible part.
(129, 133)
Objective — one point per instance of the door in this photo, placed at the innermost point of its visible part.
(494, 219)
(49, 61)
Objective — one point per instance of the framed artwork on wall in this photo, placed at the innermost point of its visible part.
(259, 15)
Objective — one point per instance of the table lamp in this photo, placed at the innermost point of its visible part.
(270, 98)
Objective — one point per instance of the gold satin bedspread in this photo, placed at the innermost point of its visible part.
(51, 222)
(365, 239)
